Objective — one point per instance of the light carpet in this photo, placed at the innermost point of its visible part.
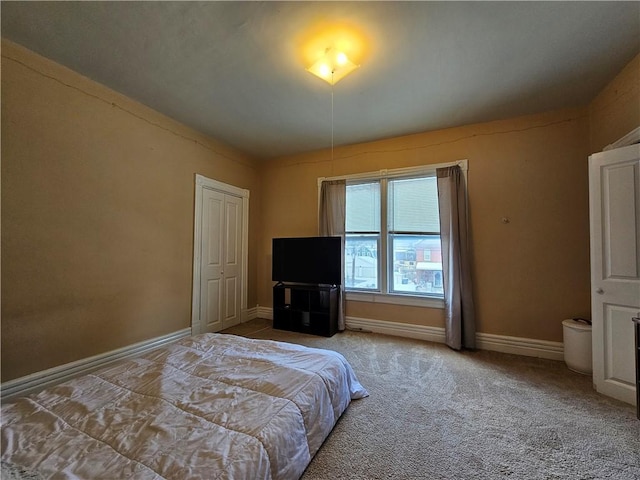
(434, 413)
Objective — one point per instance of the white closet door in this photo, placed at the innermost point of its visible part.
(614, 202)
(221, 261)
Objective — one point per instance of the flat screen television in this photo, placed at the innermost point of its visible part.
(313, 260)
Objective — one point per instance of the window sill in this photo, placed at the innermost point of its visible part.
(429, 302)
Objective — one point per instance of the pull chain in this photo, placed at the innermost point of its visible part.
(331, 119)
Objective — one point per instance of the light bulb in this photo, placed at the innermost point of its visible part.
(341, 58)
(324, 70)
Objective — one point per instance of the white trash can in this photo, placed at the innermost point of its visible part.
(577, 346)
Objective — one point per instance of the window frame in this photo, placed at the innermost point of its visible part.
(382, 295)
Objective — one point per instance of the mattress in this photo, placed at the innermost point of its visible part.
(211, 406)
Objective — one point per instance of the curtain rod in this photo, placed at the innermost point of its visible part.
(397, 172)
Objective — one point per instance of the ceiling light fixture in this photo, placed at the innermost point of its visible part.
(332, 66)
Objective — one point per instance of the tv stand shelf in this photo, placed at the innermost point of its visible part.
(306, 308)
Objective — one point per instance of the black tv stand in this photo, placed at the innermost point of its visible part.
(306, 308)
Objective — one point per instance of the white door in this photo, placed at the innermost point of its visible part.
(614, 203)
(221, 261)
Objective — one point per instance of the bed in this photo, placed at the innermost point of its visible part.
(212, 406)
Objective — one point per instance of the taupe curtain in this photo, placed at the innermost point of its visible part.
(460, 329)
(333, 195)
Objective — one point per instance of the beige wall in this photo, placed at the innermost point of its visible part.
(529, 274)
(97, 212)
(616, 110)
(97, 216)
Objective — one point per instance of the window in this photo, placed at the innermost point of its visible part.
(393, 236)
(362, 242)
(413, 236)
(392, 239)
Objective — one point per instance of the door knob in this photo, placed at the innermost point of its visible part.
(600, 291)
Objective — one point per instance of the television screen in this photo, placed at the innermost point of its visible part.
(307, 260)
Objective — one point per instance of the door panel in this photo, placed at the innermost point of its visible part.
(620, 213)
(232, 230)
(212, 320)
(614, 203)
(231, 307)
(213, 239)
(618, 343)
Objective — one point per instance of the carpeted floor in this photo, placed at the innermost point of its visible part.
(434, 413)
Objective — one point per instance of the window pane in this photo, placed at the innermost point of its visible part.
(361, 262)
(363, 207)
(417, 264)
(413, 205)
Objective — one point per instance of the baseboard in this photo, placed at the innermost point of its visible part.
(407, 330)
(265, 312)
(528, 347)
(39, 380)
(250, 314)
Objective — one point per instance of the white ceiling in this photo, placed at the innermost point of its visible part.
(231, 69)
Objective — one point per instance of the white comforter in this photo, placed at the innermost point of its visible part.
(207, 407)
